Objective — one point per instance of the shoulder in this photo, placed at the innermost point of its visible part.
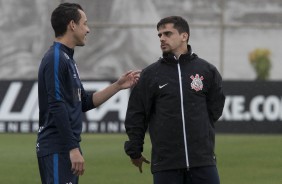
(204, 63)
(55, 58)
(206, 68)
(149, 70)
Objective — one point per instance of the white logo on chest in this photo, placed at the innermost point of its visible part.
(161, 86)
(197, 83)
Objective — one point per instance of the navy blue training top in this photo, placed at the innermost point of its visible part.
(62, 100)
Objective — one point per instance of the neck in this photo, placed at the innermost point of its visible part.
(182, 51)
(66, 41)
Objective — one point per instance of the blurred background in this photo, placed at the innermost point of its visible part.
(124, 36)
(241, 38)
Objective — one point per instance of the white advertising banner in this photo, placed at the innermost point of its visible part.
(250, 107)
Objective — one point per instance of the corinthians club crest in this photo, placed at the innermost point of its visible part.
(197, 83)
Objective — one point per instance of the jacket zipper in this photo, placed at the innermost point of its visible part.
(182, 113)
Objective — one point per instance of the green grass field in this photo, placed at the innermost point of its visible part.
(242, 159)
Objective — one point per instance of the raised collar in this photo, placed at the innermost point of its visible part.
(65, 49)
(169, 57)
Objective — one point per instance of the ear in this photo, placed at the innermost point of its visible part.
(185, 36)
(72, 25)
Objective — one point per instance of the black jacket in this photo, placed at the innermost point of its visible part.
(179, 100)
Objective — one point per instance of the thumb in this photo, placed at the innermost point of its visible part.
(145, 160)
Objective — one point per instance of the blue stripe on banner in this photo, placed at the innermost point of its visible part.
(56, 71)
(56, 168)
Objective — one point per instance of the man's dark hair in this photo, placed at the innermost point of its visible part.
(62, 16)
(180, 24)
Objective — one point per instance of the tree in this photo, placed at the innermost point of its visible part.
(260, 61)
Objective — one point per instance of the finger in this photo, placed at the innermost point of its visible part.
(140, 168)
(146, 161)
(72, 166)
(136, 72)
(77, 171)
(136, 77)
(128, 73)
(82, 172)
(133, 82)
(81, 169)
(74, 169)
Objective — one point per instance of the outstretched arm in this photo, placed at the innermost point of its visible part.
(127, 80)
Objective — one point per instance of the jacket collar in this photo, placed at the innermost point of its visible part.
(65, 49)
(169, 57)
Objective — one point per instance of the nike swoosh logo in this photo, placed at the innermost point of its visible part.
(161, 86)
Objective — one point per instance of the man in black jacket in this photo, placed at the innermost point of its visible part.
(178, 98)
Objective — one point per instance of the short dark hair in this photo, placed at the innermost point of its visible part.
(180, 24)
(62, 15)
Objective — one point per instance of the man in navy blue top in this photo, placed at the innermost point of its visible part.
(62, 98)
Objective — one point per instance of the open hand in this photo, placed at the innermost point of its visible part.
(129, 79)
(139, 161)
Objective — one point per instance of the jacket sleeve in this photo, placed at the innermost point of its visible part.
(136, 121)
(86, 100)
(216, 97)
(55, 75)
